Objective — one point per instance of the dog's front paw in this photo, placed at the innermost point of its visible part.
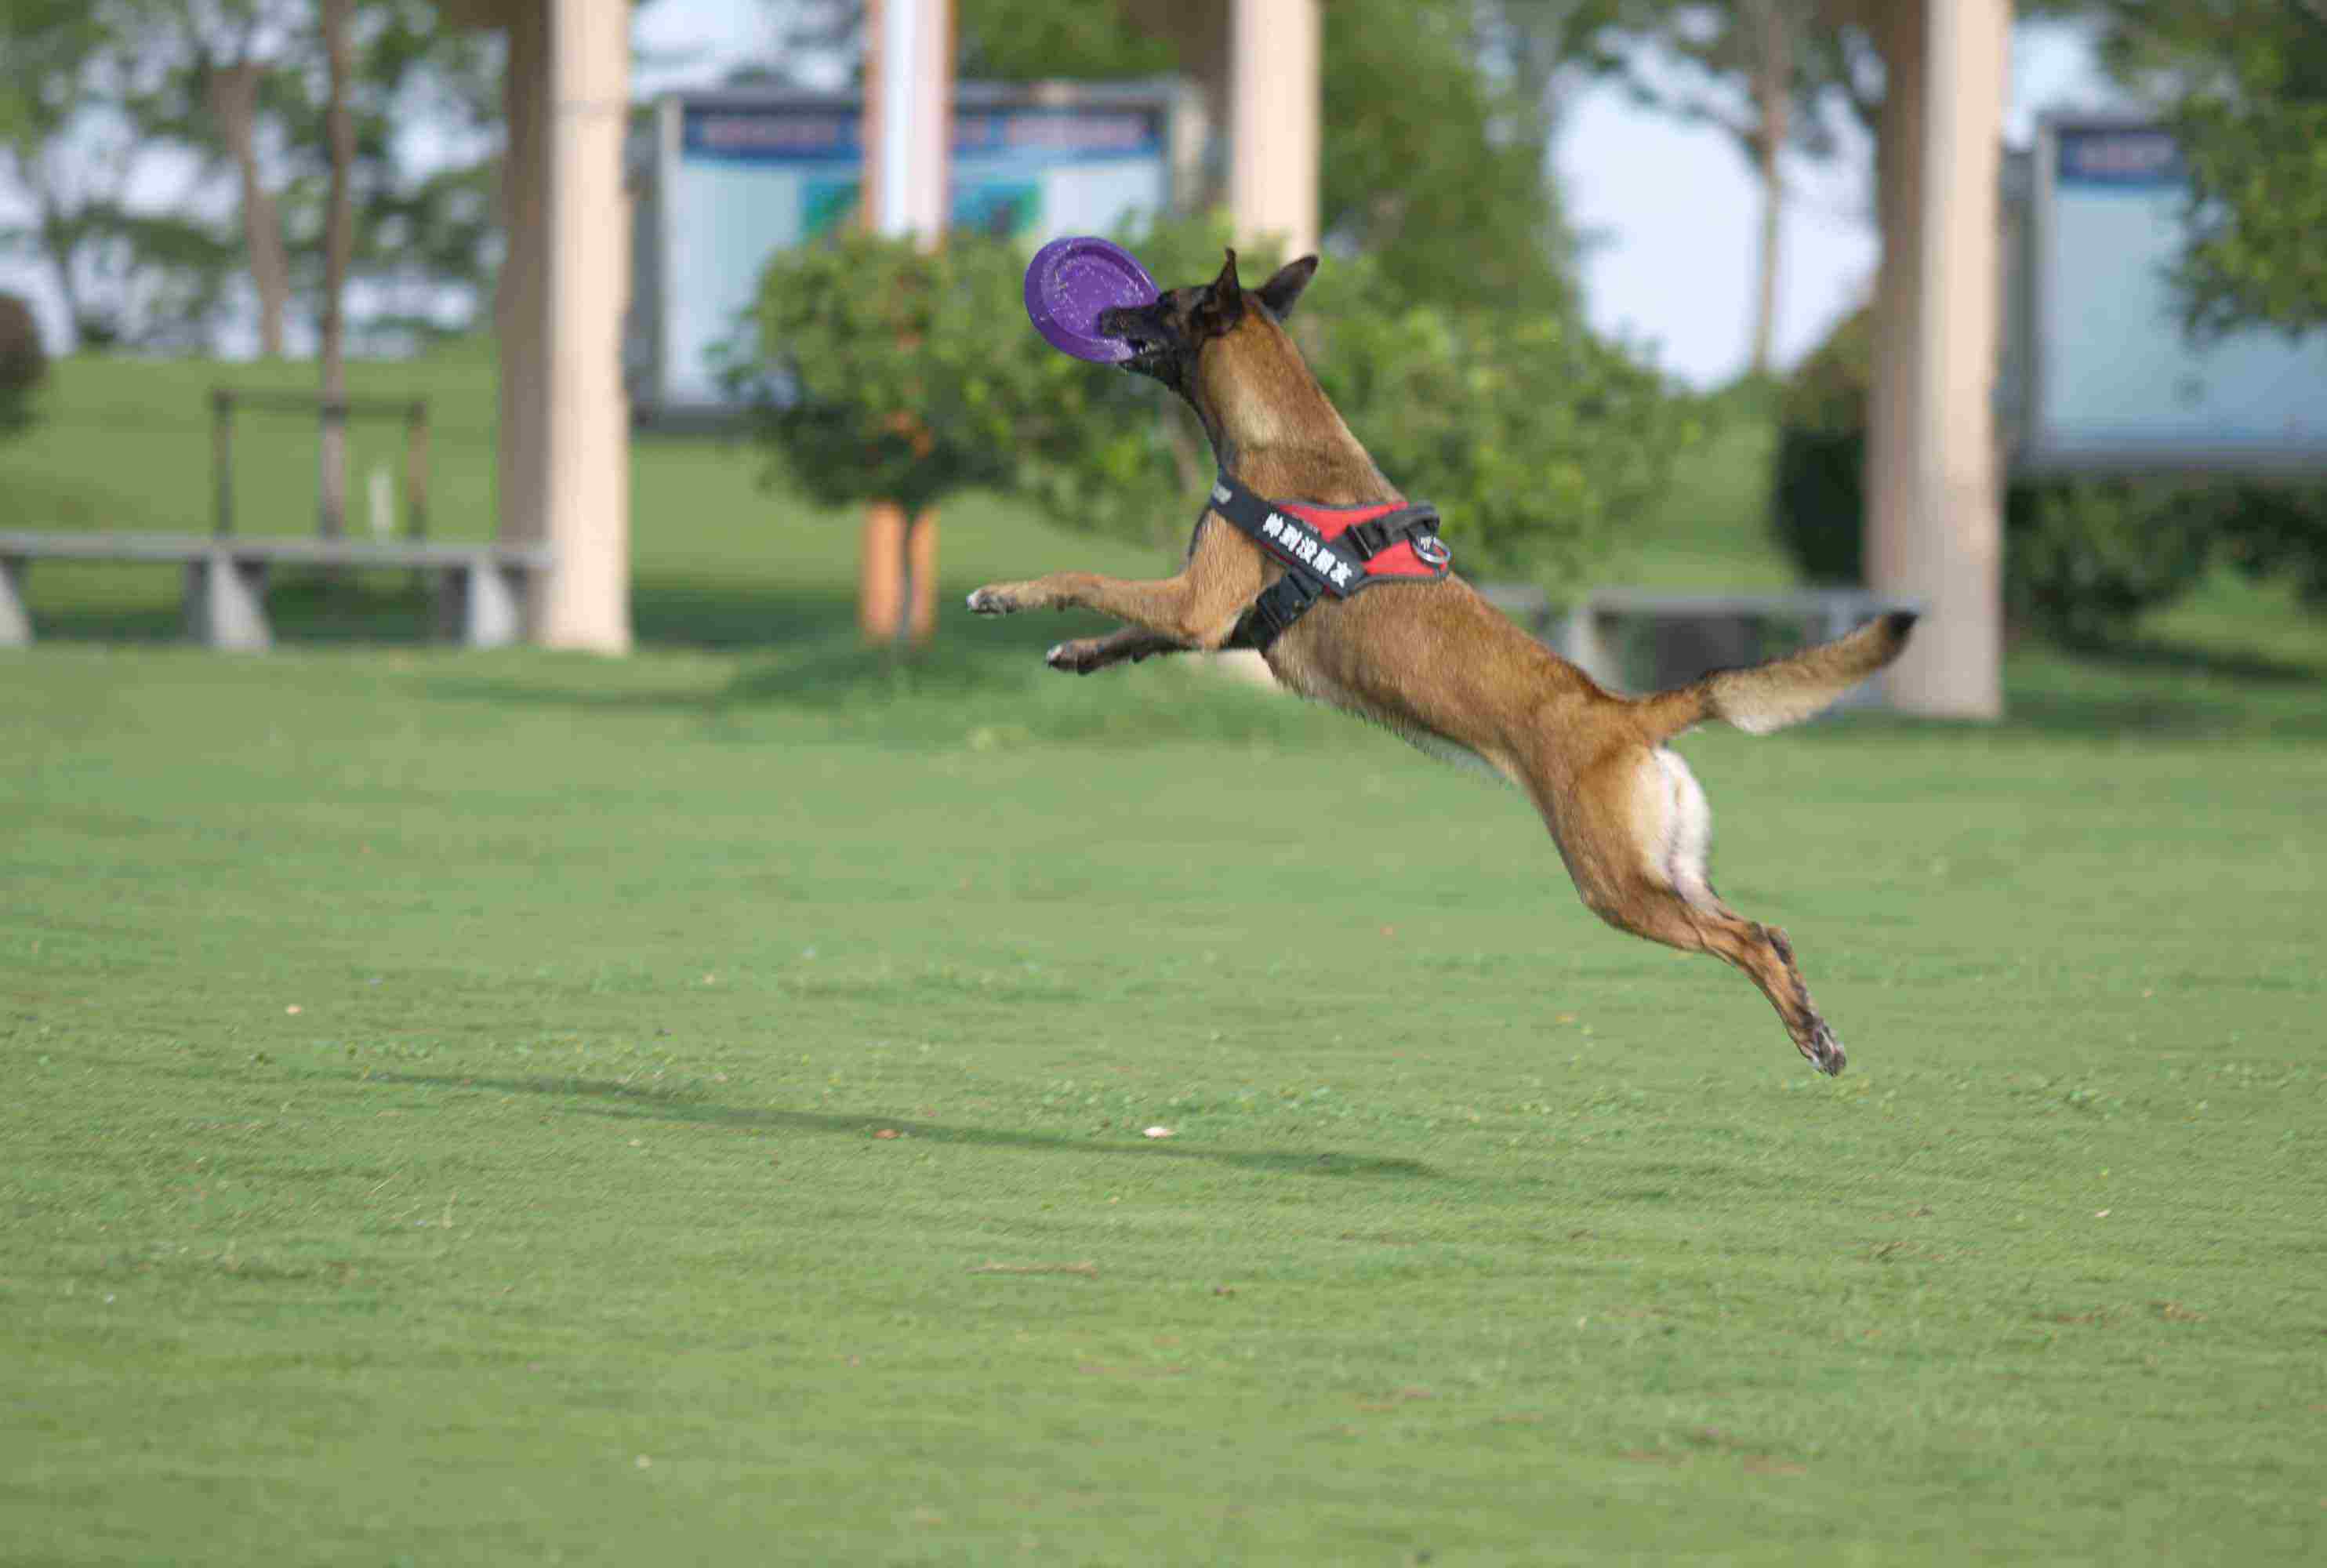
(991, 601)
(1078, 657)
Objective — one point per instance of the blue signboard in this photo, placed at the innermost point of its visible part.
(737, 177)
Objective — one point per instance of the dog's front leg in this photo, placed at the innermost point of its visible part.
(1174, 609)
(1087, 655)
(1197, 609)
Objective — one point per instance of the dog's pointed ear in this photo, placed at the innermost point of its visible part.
(1279, 293)
(1223, 306)
(1225, 287)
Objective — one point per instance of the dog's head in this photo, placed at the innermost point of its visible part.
(1190, 338)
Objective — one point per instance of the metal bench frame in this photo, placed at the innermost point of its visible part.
(480, 590)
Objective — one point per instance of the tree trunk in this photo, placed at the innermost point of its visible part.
(881, 573)
(59, 241)
(234, 99)
(339, 241)
(1773, 71)
(897, 577)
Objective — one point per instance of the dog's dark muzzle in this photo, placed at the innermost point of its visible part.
(1144, 330)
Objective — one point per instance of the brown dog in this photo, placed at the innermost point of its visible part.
(1435, 661)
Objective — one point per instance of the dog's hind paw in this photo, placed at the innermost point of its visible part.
(1824, 1051)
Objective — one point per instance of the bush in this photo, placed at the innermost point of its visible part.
(1818, 505)
(1535, 439)
(2082, 557)
(903, 375)
(2273, 530)
(23, 365)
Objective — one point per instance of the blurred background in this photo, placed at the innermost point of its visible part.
(1710, 327)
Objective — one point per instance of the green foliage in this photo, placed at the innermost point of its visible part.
(1431, 168)
(1818, 509)
(1435, 163)
(1533, 437)
(2244, 84)
(2280, 530)
(23, 365)
(1040, 39)
(2084, 557)
(883, 370)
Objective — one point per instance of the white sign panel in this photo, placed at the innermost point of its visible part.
(2116, 382)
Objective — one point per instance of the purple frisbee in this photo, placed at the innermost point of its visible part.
(1070, 281)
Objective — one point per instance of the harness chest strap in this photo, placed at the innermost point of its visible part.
(1330, 550)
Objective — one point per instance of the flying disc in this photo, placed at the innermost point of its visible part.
(1070, 281)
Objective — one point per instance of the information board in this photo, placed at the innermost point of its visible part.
(2113, 379)
(735, 178)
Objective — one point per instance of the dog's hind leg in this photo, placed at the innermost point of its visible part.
(1634, 831)
(1131, 644)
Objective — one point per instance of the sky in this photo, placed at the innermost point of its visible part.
(1669, 211)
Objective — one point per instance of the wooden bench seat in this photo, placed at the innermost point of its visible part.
(480, 590)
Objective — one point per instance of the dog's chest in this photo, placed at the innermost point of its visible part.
(1304, 676)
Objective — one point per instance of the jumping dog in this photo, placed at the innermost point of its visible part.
(1433, 661)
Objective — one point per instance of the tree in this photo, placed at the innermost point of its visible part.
(338, 239)
(1436, 161)
(1769, 74)
(247, 87)
(2244, 85)
(23, 364)
(123, 269)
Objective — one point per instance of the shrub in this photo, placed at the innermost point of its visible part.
(1818, 502)
(2273, 530)
(23, 365)
(897, 374)
(2083, 557)
(1535, 438)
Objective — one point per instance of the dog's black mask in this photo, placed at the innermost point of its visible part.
(1167, 337)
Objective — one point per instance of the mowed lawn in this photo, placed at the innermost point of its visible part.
(523, 1107)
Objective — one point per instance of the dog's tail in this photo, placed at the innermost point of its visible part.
(1762, 698)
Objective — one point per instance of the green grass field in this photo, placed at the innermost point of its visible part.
(518, 1108)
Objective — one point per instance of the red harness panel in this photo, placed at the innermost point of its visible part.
(1398, 560)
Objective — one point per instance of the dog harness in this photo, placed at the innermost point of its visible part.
(1329, 550)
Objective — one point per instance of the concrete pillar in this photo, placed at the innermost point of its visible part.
(584, 599)
(909, 116)
(1934, 531)
(1276, 109)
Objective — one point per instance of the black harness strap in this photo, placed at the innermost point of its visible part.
(1316, 566)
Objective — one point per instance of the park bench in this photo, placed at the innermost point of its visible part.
(1643, 639)
(478, 590)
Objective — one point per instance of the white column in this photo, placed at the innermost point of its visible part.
(1275, 106)
(1934, 530)
(909, 116)
(585, 478)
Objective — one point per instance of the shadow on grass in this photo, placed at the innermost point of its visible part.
(2178, 659)
(648, 1106)
(376, 608)
(802, 651)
